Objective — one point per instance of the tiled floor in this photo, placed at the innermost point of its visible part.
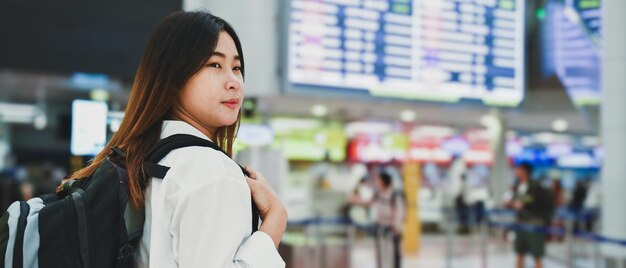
(467, 254)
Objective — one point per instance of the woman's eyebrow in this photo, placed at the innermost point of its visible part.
(221, 55)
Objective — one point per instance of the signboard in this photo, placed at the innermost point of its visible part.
(89, 127)
(417, 50)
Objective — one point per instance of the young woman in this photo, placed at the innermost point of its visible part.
(190, 81)
(390, 210)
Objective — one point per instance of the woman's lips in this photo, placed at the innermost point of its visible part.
(232, 104)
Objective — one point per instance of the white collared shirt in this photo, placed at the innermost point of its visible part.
(199, 214)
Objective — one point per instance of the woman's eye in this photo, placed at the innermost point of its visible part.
(214, 65)
(237, 68)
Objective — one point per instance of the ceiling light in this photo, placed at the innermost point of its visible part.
(99, 94)
(408, 116)
(40, 121)
(560, 125)
(319, 110)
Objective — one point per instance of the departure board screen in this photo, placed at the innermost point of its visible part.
(445, 50)
(573, 32)
(589, 12)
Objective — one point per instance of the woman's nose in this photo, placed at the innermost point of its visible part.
(233, 82)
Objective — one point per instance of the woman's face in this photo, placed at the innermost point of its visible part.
(212, 97)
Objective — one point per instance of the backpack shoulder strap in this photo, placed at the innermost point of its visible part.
(165, 146)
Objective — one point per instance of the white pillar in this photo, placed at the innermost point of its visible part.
(501, 177)
(614, 128)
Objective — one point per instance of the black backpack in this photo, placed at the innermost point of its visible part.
(90, 223)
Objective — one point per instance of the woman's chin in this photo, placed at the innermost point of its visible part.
(229, 122)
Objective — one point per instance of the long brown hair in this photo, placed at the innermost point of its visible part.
(178, 48)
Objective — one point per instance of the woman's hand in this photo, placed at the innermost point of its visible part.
(271, 209)
(263, 195)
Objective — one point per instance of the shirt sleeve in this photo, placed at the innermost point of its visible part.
(207, 232)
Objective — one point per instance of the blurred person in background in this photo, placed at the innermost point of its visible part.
(360, 198)
(556, 188)
(558, 199)
(47, 182)
(10, 184)
(462, 206)
(389, 208)
(190, 81)
(592, 203)
(534, 207)
(10, 191)
(363, 192)
(576, 204)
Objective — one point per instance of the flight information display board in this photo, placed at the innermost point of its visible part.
(589, 12)
(445, 50)
(573, 32)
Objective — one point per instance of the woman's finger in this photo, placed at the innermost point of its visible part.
(253, 173)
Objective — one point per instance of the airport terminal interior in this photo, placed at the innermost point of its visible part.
(441, 113)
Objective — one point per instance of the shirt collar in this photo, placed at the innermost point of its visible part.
(171, 127)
